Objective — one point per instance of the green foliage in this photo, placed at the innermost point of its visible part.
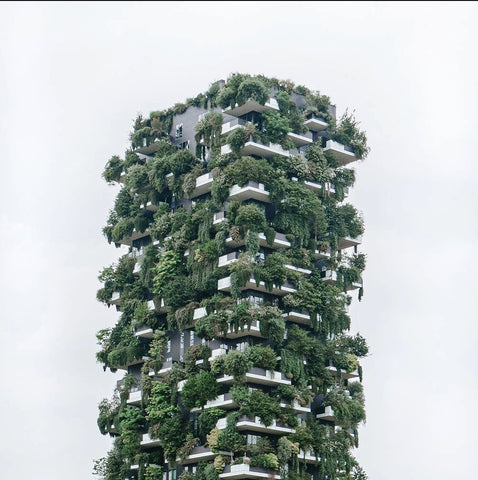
(311, 222)
(113, 169)
(262, 357)
(165, 270)
(198, 389)
(237, 364)
(348, 132)
(276, 127)
(254, 89)
(267, 460)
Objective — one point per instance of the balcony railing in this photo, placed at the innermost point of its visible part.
(244, 470)
(280, 241)
(251, 106)
(343, 153)
(315, 123)
(203, 185)
(251, 190)
(224, 284)
(197, 454)
(330, 277)
(259, 376)
(234, 124)
(297, 317)
(258, 148)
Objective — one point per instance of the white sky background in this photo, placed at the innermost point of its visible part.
(72, 79)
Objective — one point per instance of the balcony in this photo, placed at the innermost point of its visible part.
(216, 352)
(244, 470)
(160, 308)
(255, 147)
(148, 442)
(251, 190)
(149, 206)
(299, 140)
(343, 373)
(296, 407)
(226, 260)
(280, 241)
(234, 124)
(224, 285)
(165, 368)
(302, 318)
(259, 376)
(315, 123)
(319, 254)
(308, 456)
(134, 236)
(251, 106)
(115, 299)
(330, 278)
(222, 401)
(347, 242)
(134, 397)
(255, 425)
(203, 185)
(254, 331)
(293, 268)
(144, 332)
(219, 217)
(343, 153)
(197, 454)
(327, 414)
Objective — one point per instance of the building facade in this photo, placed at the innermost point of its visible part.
(240, 261)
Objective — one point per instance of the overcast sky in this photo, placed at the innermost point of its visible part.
(73, 78)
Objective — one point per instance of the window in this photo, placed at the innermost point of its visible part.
(179, 130)
(172, 474)
(191, 338)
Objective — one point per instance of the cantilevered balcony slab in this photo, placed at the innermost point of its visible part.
(255, 425)
(330, 278)
(328, 414)
(115, 299)
(244, 470)
(157, 306)
(165, 368)
(299, 140)
(232, 125)
(136, 235)
(296, 407)
(219, 217)
(251, 106)
(253, 331)
(223, 401)
(224, 285)
(343, 373)
(295, 316)
(347, 242)
(293, 268)
(251, 190)
(315, 123)
(254, 147)
(203, 185)
(134, 398)
(280, 241)
(343, 153)
(148, 442)
(150, 206)
(308, 456)
(197, 454)
(258, 376)
(144, 332)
